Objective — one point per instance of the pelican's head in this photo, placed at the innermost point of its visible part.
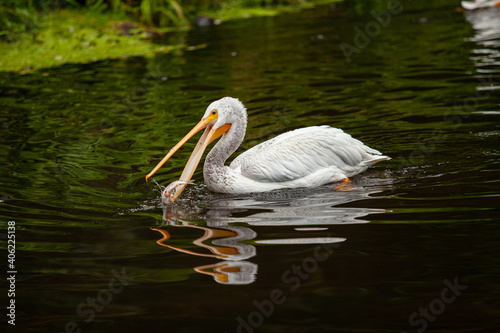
(227, 110)
(217, 120)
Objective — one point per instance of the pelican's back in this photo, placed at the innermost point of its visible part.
(299, 153)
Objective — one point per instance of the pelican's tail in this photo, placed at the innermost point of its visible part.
(376, 158)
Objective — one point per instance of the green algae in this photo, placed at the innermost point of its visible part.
(77, 37)
(83, 36)
(237, 9)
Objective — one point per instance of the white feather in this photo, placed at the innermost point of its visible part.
(304, 151)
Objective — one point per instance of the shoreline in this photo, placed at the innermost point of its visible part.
(85, 36)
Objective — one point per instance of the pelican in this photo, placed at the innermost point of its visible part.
(305, 157)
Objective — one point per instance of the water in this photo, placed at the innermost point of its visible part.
(417, 232)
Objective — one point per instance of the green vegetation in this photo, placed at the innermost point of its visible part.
(38, 34)
(237, 9)
(16, 17)
(20, 16)
(71, 37)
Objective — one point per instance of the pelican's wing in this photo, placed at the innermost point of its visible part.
(299, 153)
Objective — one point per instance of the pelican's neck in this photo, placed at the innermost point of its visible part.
(218, 177)
(227, 145)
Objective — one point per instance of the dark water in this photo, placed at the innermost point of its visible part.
(413, 247)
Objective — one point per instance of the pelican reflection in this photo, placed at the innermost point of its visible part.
(230, 272)
(223, 242)
(308, 213)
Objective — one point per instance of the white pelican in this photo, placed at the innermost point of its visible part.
(306, 157)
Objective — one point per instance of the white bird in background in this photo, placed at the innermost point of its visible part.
(306, 157)
(478, 4)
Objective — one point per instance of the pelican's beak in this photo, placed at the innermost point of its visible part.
(208, 136)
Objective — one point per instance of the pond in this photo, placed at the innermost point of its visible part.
(412, 247)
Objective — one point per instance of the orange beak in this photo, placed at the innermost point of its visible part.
(208, 136)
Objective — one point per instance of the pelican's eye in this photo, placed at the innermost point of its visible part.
(214, 112)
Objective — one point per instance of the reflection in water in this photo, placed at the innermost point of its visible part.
(225, 244)
(307, 210)
(321, 206)
(230, 272)
(225, 240)
(486, 23)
